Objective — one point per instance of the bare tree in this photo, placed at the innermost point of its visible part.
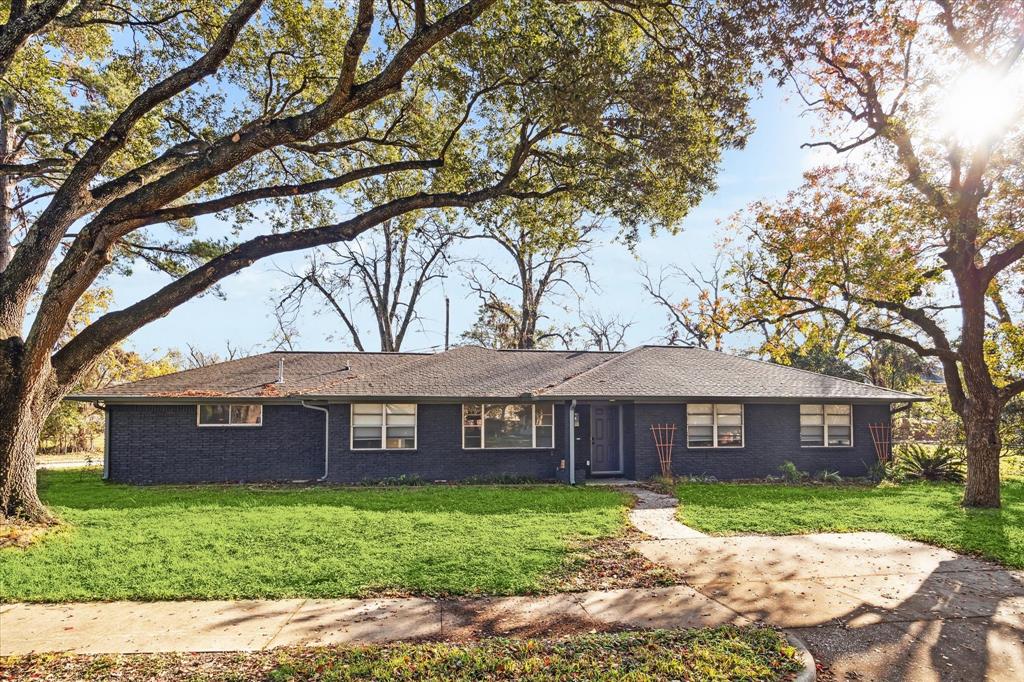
(197, 357)
(389, 271)
(602, 332)
(703, 320)
(545, 261)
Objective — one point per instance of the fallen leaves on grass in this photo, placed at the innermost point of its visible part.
(726, 652)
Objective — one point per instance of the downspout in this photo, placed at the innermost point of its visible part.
(106, 438)
(572, 442)
(327, 435)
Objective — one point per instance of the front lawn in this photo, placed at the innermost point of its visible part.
(725, 653)
(212, 542)
(929, 512)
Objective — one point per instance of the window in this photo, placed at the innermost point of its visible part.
(714, 426)
(826, 426)
(508, 425)
(383, 426)
(225, 414)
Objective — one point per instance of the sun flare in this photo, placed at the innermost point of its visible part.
(978, 104)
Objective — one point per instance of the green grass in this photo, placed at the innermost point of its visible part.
(210, 542)
(929, 512)
(724, 653)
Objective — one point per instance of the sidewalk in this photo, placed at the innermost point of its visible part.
(132, 627)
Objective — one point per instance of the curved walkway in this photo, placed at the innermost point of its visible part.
(655, 515)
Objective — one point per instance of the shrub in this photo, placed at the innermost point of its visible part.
(826, 476)
(941, 463)
(388, 481)
(791, 474)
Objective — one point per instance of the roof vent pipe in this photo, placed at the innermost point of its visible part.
(280, 370)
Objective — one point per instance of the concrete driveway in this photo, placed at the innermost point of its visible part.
(870, 606)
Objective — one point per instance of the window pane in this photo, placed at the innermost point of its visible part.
(700, 419)
(366, 437)
(395, 408)
(246, 414)
(399, 442)
(213, 414)
(367, 420)
(471, 415)
(839, 435)
(837, 409)
(700, 408)
(729, 409)
(699, 436)
(730, 436)
(811, 420)
(401, 431)
(545, 415)
(545, 437)
(810, 409)
(729, 420)
(471, 438)
(508, 426)
(812, 435)
(838, 419)
(401, 420)
(366, 408)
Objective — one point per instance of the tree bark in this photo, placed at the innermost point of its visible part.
(23, 409)
(981, 426)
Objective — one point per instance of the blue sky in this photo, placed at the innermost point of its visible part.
(771, 164)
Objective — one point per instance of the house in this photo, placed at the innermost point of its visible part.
(478, 413)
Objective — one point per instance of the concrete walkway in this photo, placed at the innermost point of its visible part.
(870, 606)
(127, 627)
(655, 515)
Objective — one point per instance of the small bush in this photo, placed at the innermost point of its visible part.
(826, 476)
(500, 479)
(404, 479)
(918, 462)
(790, 474)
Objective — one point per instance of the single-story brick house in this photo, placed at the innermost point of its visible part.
(479, 413)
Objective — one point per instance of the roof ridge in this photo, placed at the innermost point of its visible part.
(618, 356)
(797, 369)
(417, 359)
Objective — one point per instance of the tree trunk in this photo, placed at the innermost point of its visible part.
(23, 409)
(981, 425)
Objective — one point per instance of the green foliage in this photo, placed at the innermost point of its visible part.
(790, 474)
(915, 461)
(826, 476)
(929, 512)
(232, 542)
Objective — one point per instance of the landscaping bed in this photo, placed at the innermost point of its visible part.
(230, 542)
(927, 512)
(709, 654)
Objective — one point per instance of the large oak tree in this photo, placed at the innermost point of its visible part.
(130, 127)
(919, 239)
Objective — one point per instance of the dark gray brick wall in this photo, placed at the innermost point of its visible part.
(162, 444)
(772, 436)
(439, 454)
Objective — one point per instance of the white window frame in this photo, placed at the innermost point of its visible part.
(383, 427)
(201, 425)
(714, 428)
(533, 422)
(824, 419)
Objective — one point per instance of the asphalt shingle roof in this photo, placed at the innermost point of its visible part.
(647, 372)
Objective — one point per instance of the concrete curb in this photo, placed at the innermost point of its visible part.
(810, 671)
